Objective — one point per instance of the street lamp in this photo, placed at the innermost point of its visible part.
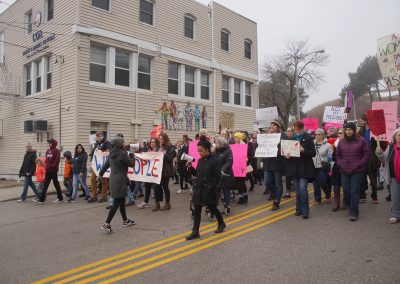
(297, 78)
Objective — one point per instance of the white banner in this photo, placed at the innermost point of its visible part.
(148, 166)
(268, 145)
(264, 116)
(290, 146)
(388, 56)
(335, 114)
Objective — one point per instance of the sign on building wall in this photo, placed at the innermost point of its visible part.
(227, 120)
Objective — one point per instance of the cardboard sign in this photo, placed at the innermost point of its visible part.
(291, 147)
(148, 166)
(335, 114)
(194, 153)
(388, 56)
(264, 116)
(239, 153)
(311, 123)
(390, 110)
(268, 145)
(376, 121)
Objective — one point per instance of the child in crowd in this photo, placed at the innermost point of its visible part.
(39, 173)
(68, 173)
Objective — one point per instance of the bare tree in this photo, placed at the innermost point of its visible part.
(279, 77)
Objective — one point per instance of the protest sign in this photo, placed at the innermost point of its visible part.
(267, 145)
(92, 139)
(376, 121)
(335, 114)
(194, 153)
(148, 166)
(390, 110)
(264, 116)
(239, 153)
(311, 123)
(291, 147)
(260, 124)
(388, 56)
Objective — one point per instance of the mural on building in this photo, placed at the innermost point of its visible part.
(185, 117)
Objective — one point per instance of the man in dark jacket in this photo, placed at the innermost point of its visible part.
(52, 165)
(103, 145)
(27, 171)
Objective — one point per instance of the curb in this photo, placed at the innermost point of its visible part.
(28, 196)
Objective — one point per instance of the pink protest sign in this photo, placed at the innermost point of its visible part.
(331, 124)
(390, 110)
(239, 152)
(311, 123)
(193, 153)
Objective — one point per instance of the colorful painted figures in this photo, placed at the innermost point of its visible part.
(173, 115)
(197, 117)
(204, 117)
(189, 117)
(164, 109)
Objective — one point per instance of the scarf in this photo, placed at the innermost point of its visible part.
(396, 162)
(299, 137)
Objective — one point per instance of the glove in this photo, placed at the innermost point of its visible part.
(98, 179)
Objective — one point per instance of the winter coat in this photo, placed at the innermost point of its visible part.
(387, 158)
(183, 150)
(208, 174)
(119, 162)
(79, 163)
(52, 157)
(28, 165)
(40, 173)
(68, 168)
(168, 167)
(225, 160)
(352, 156)
(323, 154)
(303, 166)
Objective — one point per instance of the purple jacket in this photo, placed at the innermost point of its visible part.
(352, 156)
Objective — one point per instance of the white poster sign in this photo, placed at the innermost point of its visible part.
(335, 114)
(264, 116)
(268, 145)
(388, 56)
(291, 147)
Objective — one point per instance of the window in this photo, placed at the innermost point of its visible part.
(173, 78)
(122, 68)
(144, 73)
(225, 89)
(28, 79)
(98, 63)
(146, 12)
(1, 47)
(48, 73)
(28, 22)
(102, 4)
(189, 82)
(237, 92)
(225, 40)
(189, 27)
(248, 94)
(247, 49)
(49, 9)
(205, 85)
(38, 73)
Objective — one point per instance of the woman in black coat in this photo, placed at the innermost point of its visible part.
(301, 169)
(119, 162)
(205, 191)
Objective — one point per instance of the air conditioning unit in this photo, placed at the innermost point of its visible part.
(28, 126)
(40, 126)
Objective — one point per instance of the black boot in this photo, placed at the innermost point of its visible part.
(221, 228)
(194, 235)
(245, 199)
(240, 201)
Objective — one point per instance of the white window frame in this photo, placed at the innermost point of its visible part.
(46, 10)
(38, 75)
(251, 49)
(121, 68)
(240, 92)
(229, 40)
(246, 94)
(28, 22)
(107, 75)
(191, 17)
(226, 90)
(101, 9)
(26, 80)
(174, 79)
(153, 16)
(47, 71)
(141, 72)
(192, 83)
(1, 47)
(208, 86)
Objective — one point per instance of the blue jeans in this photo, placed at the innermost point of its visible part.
(274, 179)
(77, 178)
(288, 181)
(130, 195)
(227, 196)
(351, 186)
(302, 205)
(321, 180)
(138, 188)
(28, 183)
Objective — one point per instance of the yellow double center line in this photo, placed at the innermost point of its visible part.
(147, 249)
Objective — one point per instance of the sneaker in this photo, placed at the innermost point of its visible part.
(92, 200)
(21, 200)
(179, 191)
(71, 200)
(87, 198)
(106, 228)
(103, 200)
(393, 220)
(143, 205)
(58, 200)
(39, 203)
(353, 218)
(128, 222)
(130, 203)
(36, 200)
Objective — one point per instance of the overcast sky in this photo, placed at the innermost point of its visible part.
(346, 29)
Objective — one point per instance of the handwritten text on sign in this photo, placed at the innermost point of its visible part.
(335, 114)
(267, 145)
(291, 147)
(389, 60)
(148, 166)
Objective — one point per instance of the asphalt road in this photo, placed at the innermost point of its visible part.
(259, 246)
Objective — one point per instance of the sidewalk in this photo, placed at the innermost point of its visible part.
(14, 192)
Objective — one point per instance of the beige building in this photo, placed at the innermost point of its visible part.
(70, 68)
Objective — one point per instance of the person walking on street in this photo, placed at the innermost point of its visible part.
(119, 162)
(27, 170)
(52, 166)
(68, 173)
(182, 169)
(336, 177)
(205, 191)
(79, 171)
(352, 157)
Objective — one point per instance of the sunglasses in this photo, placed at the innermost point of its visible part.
(341, 133)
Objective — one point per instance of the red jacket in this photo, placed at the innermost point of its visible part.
(52, 157)
(40, 172)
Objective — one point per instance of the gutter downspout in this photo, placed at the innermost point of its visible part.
(137, 96)
(77, 46)
(214, 70)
